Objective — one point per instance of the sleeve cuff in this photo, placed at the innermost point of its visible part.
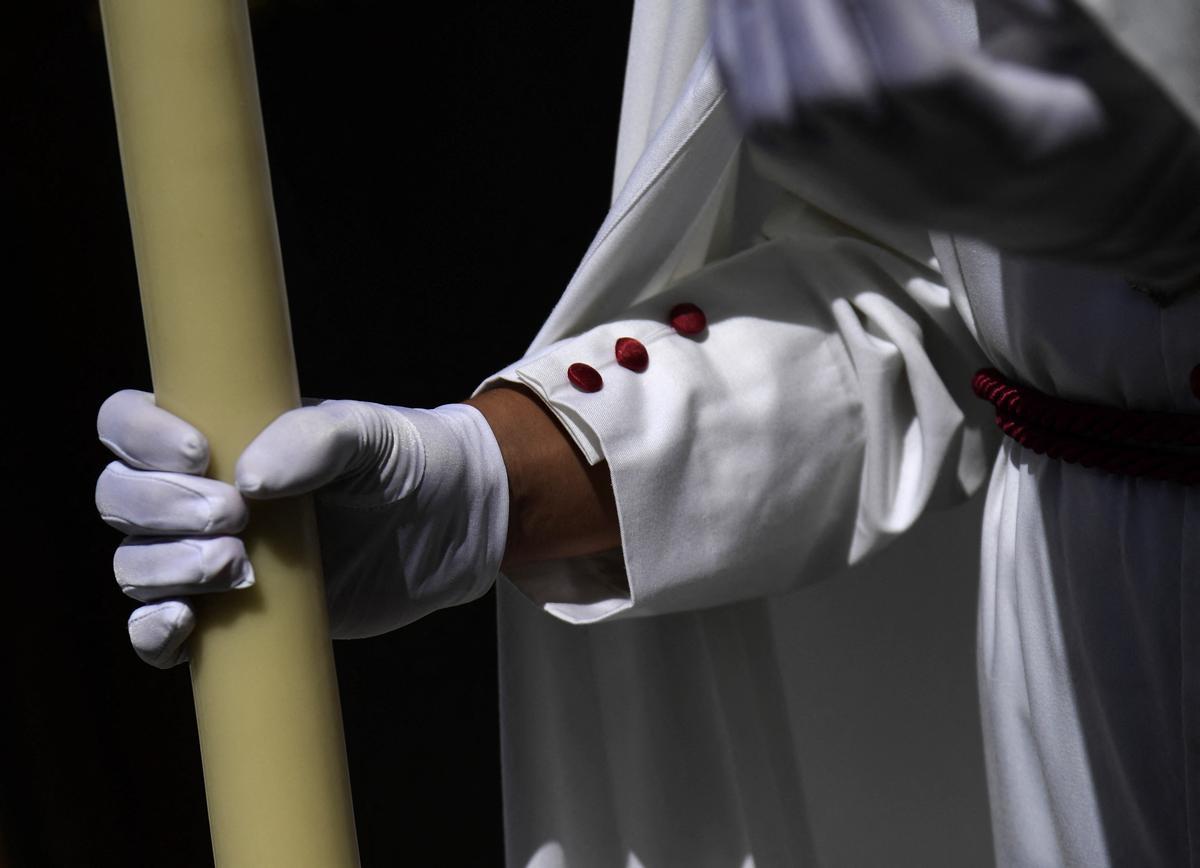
(710, 447)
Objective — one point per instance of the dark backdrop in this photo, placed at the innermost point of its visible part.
(437, 178)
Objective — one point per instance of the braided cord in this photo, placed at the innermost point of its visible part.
(1153, 445)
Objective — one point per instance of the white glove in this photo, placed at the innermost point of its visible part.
(412, 509)
(1045, 140)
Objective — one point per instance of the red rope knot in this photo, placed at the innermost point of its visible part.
(1141, 443)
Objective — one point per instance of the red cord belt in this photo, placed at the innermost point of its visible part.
(1127, 442)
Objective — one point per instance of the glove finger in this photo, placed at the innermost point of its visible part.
(908, 44)
(1033, 10)
(791, 66)
(145, 436)
(150, 569)
(827, 60)
(745, 38)
(158, 632)
(308, 448)
(1035, 111)
(154, 502)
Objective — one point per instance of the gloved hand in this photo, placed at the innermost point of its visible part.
(412, 509)
(1044, 140)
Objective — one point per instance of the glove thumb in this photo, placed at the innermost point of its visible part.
(311, 447)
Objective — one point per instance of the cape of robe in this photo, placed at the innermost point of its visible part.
(825, 409)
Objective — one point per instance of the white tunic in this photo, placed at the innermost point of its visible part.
(825, 409)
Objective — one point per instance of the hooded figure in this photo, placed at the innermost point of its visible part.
(823, 409)
(778, 361)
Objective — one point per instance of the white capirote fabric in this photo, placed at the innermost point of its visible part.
(823, 410)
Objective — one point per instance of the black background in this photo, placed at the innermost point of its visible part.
(438, 173)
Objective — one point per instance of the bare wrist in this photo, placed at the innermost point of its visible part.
(559, 505)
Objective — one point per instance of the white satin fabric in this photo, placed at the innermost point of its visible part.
(1089, 617)
(822, 414)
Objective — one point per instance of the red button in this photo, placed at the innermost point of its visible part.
(585, 378)
(631, 353)
(1195, 381)
(687, 319)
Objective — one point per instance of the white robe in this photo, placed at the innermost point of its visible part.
(825, 410)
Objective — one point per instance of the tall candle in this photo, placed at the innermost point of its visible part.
(211, 277)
